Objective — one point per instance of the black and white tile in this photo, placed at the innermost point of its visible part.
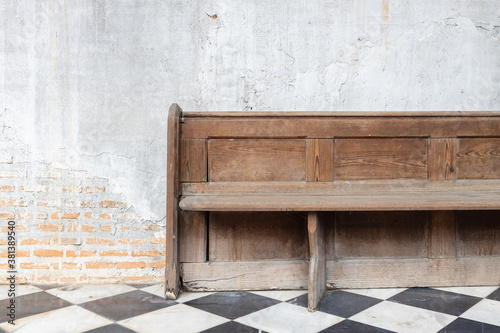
(126, 308)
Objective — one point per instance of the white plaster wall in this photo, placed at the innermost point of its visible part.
(86, 84)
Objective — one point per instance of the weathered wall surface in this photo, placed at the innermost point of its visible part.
(85, 86)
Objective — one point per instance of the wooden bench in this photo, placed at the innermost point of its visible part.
(324, 164)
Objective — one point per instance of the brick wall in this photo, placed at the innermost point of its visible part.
(71, 227)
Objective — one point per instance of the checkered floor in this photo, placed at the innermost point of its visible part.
(141, 308)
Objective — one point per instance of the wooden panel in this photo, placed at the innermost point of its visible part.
(478, 233)
(193, 235)
(381, 235)
(330, 127)
(319, 160)
(193, 154)
(246, 236)
(316, 227)
(347, 202)
(256, 160)
(393, 273)
(479, 158)
(442, 159)
(442, 234)
(357, 159)
(172, 269)
(341, 188)
(388, 273)
(250, 275)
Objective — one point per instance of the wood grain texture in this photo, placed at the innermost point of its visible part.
(340, 114)
(475, 200)
(479, 158)
(338, 127)
(256, 160)
(319, 160)
(381, 235)
(193, 235)
(250, 275)
(247, 236)
(478, 233)
(442, 159)
(193, 159)
(172, 268)
(442, 234)
(359, 159)
(316, 228)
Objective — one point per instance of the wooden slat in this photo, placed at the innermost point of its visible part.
(247, 236)
(359, 159)
(478, 233)
(193, 236)
(413, 273)
(252, 275)
(256, 160)
(394, 201)
(400, 234)
(442, 234)
(193, 155)
(337, 127)
(316, 227)
(389, 273)
(339, 188)
(479, 158)
(172, 269)
(442, 159)
(319, 160)
(343, 114)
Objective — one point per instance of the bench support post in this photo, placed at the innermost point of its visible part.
(172, 267)
(317, 262)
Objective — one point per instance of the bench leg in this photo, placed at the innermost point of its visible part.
(317, 261)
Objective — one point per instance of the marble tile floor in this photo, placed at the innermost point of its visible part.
(118, 308)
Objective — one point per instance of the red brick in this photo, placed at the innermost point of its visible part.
(95, 189)
(67, 265)
(32, 265)
(48, 253)
(64, 215)
(4, 254)
(34, 188)
(100, 241)
(88, 228)
(19, 228)
(6, 188)
(106, 228)
(153, 227)
(12, 202)
(6, 216)
(113, 253)
(145, 253)
(105, 216)
(124, 241)
(159, 240)
(129, 265)
(138, 278)
(88, 215)
(157, 264)
(112, 204)
(82, 253)
(97, 265)
(49, 227)
(32, 241)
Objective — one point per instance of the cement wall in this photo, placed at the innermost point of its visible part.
(85, 87)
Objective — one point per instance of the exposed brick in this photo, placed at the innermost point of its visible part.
(67, 265)
(48, 253)
(106, 228)
(33, 188)
(82, 204)
(88, 215)
(12, 202)
(6, 216)
(145, 253)
(49, 227)
(19, 228)
(71, 189)
(67, 280)
(32, 241)
(130, 264)
(153, 227)
(128, 216)
(68, 241)
(95, 189)
(105, 216)
(124, 241)
(158, 240)
(64, 215)
(88, 228)
(157, 264)
(27, 215)
(81, 253)
(6, 188)
(19, 254)
(100, 241)
(112, 204)
(32, 265)
(97, 265)
(113, 253)
(12, 174)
